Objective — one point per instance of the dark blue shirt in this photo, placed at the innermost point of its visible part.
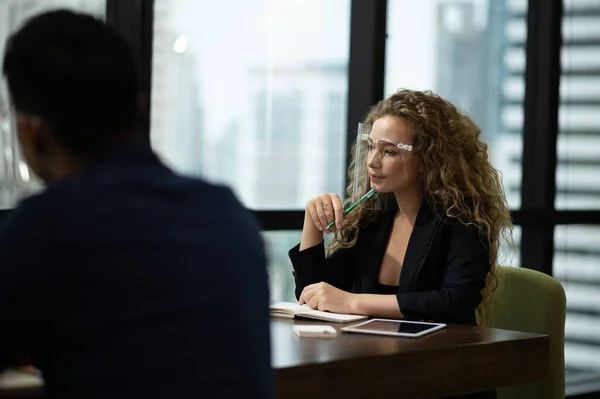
(131, 281)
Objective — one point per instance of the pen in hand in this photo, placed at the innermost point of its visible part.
(362, 199)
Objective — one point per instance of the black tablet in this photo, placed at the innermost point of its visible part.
(396, 328)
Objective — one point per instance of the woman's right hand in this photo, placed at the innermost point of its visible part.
(324, 209)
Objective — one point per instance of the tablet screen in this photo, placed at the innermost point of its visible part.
(394, 327)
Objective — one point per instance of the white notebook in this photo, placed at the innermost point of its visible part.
(291, 310)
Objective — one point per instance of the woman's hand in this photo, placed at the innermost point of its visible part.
(324, 209)
(325, 297)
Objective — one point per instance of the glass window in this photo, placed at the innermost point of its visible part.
(256, 100)
(471, 52)
(277, 244)
(577, 256)
(509, 253)
(577, 183)
(576, 266)
(16, 180)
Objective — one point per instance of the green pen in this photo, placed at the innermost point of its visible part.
(351, 207)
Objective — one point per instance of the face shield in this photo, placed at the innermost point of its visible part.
(371, 155)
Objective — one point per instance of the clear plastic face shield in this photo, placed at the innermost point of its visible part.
(380, 165)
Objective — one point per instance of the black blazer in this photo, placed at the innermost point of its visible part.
(443, 273)
(116, 281)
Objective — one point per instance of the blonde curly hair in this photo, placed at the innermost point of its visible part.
(458, 179)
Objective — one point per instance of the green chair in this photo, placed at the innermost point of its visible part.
(530, 301)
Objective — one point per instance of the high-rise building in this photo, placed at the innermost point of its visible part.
(297, 128)
(16, 180)
(299, 148)
(176, 114)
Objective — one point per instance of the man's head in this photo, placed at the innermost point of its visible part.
(73, 84)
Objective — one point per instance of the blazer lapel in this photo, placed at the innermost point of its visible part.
(424, 230)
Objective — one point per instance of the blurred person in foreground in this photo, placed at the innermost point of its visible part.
(121, 279)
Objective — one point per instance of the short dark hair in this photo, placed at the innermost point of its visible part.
(77, 74)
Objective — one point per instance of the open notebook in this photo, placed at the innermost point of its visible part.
(291, 310)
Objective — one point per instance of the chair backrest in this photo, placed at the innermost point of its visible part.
(530, 301)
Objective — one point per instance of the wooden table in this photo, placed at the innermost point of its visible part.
(456, 360)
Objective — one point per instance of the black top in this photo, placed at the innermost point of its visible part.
(383, 289)
(126, 282)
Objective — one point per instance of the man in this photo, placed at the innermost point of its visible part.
(121, 279)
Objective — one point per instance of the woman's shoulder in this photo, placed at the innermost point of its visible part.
(459, 223)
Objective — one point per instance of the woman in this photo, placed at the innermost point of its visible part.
(431, 255)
